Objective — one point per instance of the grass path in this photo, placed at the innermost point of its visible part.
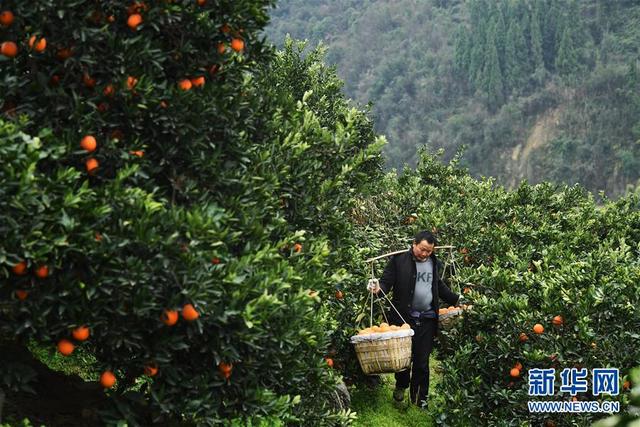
(375, 406)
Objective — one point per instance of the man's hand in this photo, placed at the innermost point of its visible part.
(373, 286)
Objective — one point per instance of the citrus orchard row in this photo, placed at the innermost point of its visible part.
(523, 256)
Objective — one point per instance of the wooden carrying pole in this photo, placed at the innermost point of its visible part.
(401, 251)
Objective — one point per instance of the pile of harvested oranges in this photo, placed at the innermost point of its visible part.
(384, 327)
(453, 310)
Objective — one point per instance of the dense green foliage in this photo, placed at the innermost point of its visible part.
(541, 90)
(526, 256)
(258, 195)
(231, 196)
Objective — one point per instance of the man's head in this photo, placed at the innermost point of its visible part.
(423, 244)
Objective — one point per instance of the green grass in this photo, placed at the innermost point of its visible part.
(81, 362)
(375, 406)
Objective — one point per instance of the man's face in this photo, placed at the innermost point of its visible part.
(422, 250)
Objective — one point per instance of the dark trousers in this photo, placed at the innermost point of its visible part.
(417, 378)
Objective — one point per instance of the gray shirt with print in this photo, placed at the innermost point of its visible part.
(423, 295)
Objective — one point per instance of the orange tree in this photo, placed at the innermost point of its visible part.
(536, 255)
(177, 193)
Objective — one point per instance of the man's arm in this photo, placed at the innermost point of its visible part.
(447, 294)
(388, 278)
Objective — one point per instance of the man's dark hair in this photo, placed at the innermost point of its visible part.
(425, 235)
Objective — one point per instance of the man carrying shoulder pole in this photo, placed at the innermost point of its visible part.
(415, 278)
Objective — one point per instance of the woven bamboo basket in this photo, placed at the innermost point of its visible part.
(447, 320)
(384, 352)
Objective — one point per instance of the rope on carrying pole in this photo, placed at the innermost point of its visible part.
(371, 315)
(393, 306)
(386, 297)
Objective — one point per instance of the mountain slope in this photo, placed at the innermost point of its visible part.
(486, 75)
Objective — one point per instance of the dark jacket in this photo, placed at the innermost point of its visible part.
(400, 276)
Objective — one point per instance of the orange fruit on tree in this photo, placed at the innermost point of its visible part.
(39, 45)
(170, 317)
(64, 53)
(98, 236)
(91, 164)
(22, 294)
(215, 260)
(558, 320)
(225, 28)
(88, 143)
(523, 337)
(65, 347)
(88, 81)
(131, 82)
(151, 369)
(138, 153)
(329, 361)
(297, 247)
(201, 2)
(20, 268)
(9, 49)
(221, 48)
(538, 328)
(626, 385)
(6, 18)
(42, 272)
(189, 313)
(518, 366)
(339, 294)
(81, 333)
(225, 369)
(198, 81)
(107, 379)
(237, 44)
(515, 372)
(134, 20)
(109, 90)
(185, 84)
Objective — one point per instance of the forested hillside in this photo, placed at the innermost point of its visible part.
(536, 90)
